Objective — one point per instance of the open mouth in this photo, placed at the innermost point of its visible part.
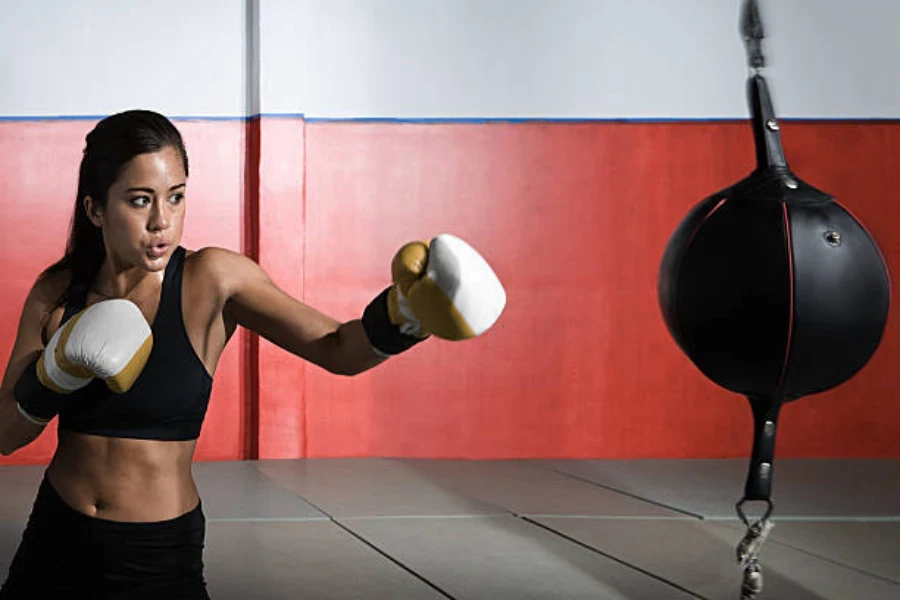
(157, 250)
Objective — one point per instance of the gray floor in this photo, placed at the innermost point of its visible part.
(543, 529)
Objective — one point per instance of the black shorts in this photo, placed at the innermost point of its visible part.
(67, 554)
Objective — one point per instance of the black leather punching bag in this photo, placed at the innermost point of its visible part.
(771, 287)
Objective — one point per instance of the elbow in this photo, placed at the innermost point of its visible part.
(14, 436)
(7, 447)
(8, 442)
(345, 370)
(347, 352)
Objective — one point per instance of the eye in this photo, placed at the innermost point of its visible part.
(176, 198)
(139, 201)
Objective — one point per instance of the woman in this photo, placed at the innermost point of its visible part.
(120, 340)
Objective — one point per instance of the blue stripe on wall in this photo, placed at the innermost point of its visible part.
(466, 120)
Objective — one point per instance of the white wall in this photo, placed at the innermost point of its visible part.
(445, 58)
(96, 57)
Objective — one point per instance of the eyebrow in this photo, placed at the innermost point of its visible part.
(151, 190)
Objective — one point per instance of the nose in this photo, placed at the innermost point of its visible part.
(160, 218)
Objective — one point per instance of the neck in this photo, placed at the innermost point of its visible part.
(118, 280)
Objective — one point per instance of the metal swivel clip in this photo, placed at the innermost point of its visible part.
(748, 554)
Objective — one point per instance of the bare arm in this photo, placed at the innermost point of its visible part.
(254, 301)
(15, 430)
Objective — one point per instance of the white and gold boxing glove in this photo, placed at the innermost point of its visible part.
(443, 288)
(110, 340)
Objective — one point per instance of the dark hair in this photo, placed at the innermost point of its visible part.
(112, 143)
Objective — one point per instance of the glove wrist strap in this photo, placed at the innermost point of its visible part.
(386, 338)
(38, 402)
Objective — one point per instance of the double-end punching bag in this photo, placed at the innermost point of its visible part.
(773, 290)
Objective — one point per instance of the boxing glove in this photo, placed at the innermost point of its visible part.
(110, 340)
(443, 287)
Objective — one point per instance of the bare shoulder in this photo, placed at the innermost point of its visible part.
(222, 268)
(49, 288)
(219, 262)
(44, 305)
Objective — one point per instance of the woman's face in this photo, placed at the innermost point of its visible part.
(144, 214)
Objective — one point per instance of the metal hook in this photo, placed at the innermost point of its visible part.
(749, 548)
(752, 584)
(740, 510)
(753, 33)
(751, 544)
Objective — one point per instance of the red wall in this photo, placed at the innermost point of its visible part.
(38, 175)
(574, 218)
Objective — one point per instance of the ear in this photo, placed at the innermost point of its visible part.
(94, 211)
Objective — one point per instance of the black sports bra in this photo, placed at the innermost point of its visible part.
(168, 401)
